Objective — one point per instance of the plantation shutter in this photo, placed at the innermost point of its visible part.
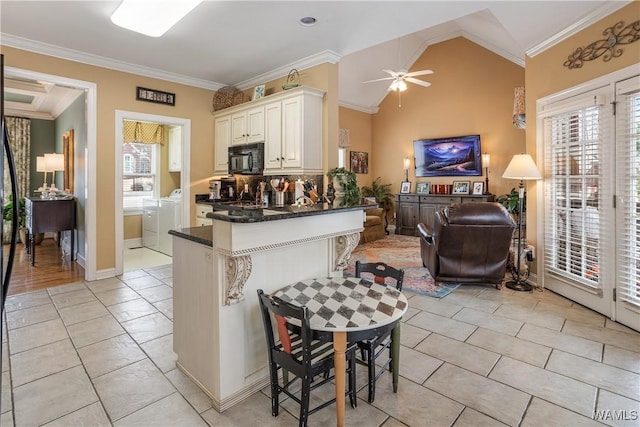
(576, 146)
(628, 191)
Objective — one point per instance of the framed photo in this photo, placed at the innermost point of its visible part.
(258, 92)
(422, 188)
(478, 188)
(359, 161)
(405, 187)
(460, 187)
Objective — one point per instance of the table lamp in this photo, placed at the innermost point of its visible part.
(41, 166)
(54, 162)
(523, 168)
(406, 164)
(486, 159)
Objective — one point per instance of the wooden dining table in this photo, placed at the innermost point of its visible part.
(349, 307)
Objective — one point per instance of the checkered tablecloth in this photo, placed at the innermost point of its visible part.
(346, 304)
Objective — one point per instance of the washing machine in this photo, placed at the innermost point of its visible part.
(169, 218)
(150, 223)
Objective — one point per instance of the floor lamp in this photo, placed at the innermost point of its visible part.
(523, 168)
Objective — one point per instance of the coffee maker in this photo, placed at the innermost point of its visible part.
(223, 189)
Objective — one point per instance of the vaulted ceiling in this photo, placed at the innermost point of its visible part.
(245, 43)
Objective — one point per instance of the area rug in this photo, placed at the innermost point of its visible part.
(400, 252)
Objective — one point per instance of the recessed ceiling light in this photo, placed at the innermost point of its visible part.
(151, 18)
(308, 21)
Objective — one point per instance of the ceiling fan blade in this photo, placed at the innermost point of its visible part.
(378, 80)
(418, 73)
(393, 73)
(418, 82)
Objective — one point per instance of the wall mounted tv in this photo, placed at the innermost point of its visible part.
(455, 156)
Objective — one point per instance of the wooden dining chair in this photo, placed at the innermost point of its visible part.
(371, 349)
(295, 351)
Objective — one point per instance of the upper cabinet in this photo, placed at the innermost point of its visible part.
(247, 126)
(289, 123)
(175, 149)
(222, 137)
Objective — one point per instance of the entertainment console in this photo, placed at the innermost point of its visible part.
(412, 209)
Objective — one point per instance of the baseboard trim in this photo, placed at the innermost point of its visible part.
(133, 243)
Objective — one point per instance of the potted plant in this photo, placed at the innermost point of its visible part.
(345, 183)
(382, 193)
(22, 219)
(510, 201)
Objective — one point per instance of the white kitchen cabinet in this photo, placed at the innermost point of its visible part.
(293, 141)
(222, 141)
(289, 123)
(247, 126)
(201, 214)
(175, 149)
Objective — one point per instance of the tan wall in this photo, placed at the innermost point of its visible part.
(116, 91)
(359, 126)
(471, 93)
(545, 75)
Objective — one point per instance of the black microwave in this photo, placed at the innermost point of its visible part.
(247, 159)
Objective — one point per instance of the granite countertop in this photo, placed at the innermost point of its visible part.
(249, 213)
(202, 235)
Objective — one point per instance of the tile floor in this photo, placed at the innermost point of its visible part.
(139, 258)
(99, 353)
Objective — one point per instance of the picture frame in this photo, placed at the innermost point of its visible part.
(452, 156)
(460, 187)
(67, 151)
(478, 188)
(258, 92)
(359, 161)
(405, 187)
(422, 187)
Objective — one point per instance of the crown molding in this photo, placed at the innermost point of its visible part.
(363, 109)
(310, 61)
(518, 60)
(100, 61)
(603, 11)
(19, 112)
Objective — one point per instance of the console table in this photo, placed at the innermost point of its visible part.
(49, 215)
(412, 209)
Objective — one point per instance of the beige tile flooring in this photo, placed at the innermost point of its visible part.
(100, 353)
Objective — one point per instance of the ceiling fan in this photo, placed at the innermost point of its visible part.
(401, 77)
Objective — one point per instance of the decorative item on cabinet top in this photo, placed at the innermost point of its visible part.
(293, 80)
(228, 96)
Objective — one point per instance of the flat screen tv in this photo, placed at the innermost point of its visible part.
(455, 156)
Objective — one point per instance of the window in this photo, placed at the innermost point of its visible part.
(138, 174)
(572, 158)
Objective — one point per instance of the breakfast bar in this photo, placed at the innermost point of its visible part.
(218, 334)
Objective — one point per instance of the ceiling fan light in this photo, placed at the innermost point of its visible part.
(394, 85)
(151, 18)
(402, 86)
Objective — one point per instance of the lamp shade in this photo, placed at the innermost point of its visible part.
(54, 162)
(41, 165)
(486, 159)
(522, 167)
(406, 163)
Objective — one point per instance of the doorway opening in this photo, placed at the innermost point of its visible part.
(85, 178)
(148, 172)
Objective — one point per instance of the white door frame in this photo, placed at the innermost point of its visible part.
(185, 174)
(89, 190)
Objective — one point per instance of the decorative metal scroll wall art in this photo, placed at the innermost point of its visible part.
(616, 35)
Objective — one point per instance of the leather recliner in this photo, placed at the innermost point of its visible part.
(469, 243)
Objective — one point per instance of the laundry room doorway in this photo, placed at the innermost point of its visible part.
(152, 164)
